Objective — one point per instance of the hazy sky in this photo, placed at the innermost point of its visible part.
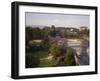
(59, 20)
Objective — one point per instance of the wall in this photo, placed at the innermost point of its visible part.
(5, 40)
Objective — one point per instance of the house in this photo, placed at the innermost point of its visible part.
(71, 30)
(83, 28)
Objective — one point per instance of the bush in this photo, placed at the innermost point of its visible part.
(69, 58)
(55, 50)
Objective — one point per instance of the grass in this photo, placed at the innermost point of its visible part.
(42, 55)
(46, 63)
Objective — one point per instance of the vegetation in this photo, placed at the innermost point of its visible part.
(68, 59)
(39, 46)
(32, 61)
(47, 63)
(55, 50)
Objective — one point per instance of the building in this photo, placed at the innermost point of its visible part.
(83, 28)
(71, 30)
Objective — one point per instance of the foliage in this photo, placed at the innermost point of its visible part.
(46, 43)
(68, 59)
(32, 61)
(45, 32)
(53, 31)
(84, 43)
(37, 42)
(55, 50)
(46, 63)
(33, 34)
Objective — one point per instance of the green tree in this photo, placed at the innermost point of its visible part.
(53, 30)
(28, 32)
(55, 50)
(83, 33)
(46, 32)
(32, 33)
(69, 58)
(45, 44)
(36, 33)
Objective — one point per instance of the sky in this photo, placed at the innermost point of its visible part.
(59, 20)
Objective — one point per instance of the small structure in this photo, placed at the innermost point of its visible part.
(83, 28)
(72, 30)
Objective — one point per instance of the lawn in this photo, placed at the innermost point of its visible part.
(39, 54)
(46, 63)
(42, 55)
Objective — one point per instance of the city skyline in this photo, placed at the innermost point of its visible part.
(59, 20)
